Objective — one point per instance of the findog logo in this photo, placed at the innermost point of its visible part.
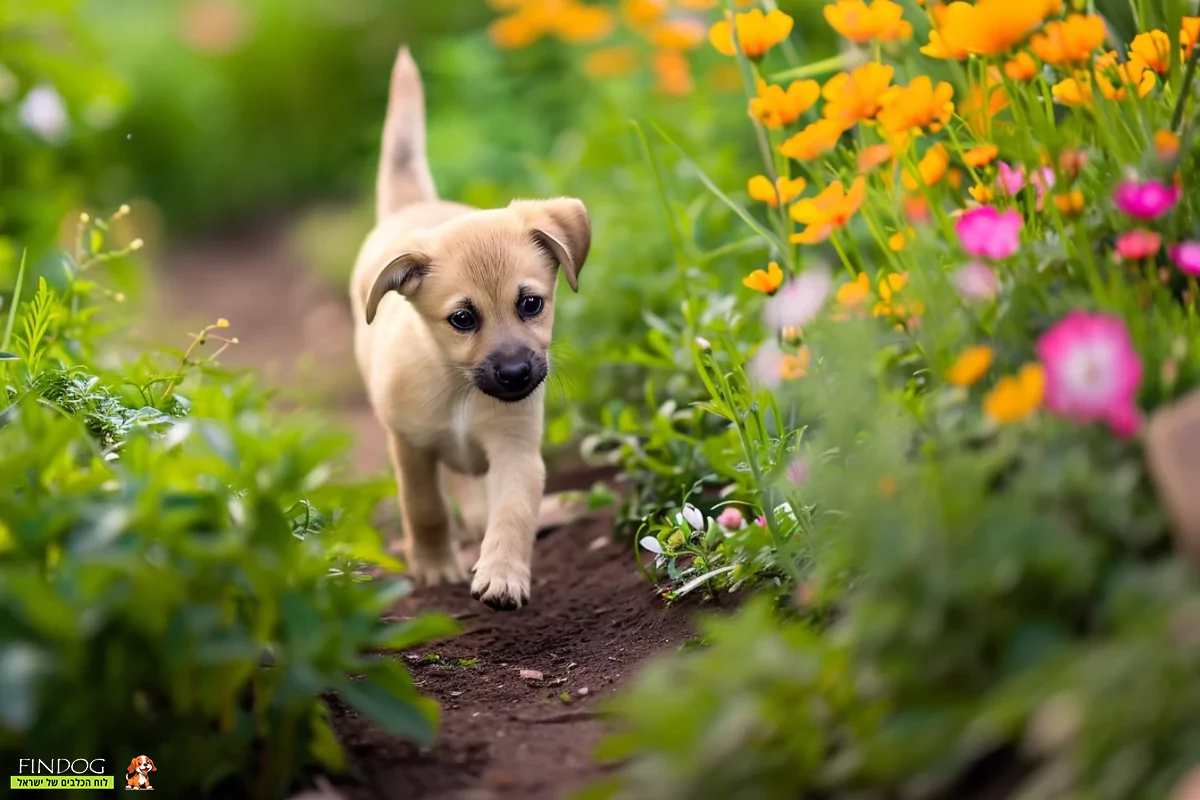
(137, 774)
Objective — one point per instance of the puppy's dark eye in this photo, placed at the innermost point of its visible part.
(463, 320)
(530, 305)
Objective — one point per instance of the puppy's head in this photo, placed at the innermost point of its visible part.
(484, 284)
(142, 765)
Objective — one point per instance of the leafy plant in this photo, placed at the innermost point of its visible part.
(181, 570)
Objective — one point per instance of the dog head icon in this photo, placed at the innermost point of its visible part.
(138, 773)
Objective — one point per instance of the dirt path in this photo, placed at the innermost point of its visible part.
(593, 618)
(591, 621)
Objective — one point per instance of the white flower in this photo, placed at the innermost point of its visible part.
(693, 517)
(703, 344)
(43, 112)
(651, 544)
(800, 300)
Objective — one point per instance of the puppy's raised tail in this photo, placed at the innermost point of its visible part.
(404, 176)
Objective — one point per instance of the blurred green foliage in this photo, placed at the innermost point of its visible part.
(181, 570)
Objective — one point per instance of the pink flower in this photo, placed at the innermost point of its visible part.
(1042, 180)
(765, 364)
(987, 233)
(976, 281)
(1186, 256)
(760, 522)
(1092, 370)
(1010, 179)
(1145, 200)
(800, 300)
(797, 472)
(1138, 244)
(731, 519)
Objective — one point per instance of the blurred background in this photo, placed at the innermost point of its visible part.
(244, 136)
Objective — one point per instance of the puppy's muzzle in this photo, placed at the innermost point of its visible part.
(511, 375)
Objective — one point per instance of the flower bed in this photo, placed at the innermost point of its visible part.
(932, 440)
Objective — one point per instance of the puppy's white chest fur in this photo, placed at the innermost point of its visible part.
(461, 451)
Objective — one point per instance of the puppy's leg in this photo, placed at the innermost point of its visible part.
(428, 549)
(469, 494)
(516, 479)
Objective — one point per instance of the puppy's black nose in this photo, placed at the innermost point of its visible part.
(514, 375)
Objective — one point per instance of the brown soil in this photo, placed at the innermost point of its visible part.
(593, 617)
(591, 621)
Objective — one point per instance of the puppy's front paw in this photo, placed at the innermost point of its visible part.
(429, 568)
(501, 584)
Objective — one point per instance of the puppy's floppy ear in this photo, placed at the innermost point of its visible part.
(152, 767)
(132, 766)
(563, 228)
(402, 274)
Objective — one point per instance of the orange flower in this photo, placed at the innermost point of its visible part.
(888, 287)
(1114, 78)
(891, 284)
(1021, 67)
(861, 23)
(918, 105)
(1075, 91)
(969, 367)
(989, 27)
(795, 367)
(1154, 48)
(1015, 397)
(983, 103)
(930, 169)
(760, 189)
(815, 139)
(672, 72)
(851, 97)
(981, 194)
(515, 31)
(854, 293)
(953, 16)
(916, 208)
(1070, 41)
(705, 5)
(766, 281)
(677, 34)
(981, 155)
(1189, 35)
(1166, 145)
(1069, 203)
(572, 21)
(643, 13)
(873, 156)
(610, 62)
(830, 209)
(579, 24)
(775, 107)
(756, 32)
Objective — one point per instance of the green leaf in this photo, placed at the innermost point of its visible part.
(737, 208)
(324, 745)
(16, 301)
(425, 628)
(414, 717)
(7, 356)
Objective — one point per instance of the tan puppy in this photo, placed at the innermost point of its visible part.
(453, 310)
